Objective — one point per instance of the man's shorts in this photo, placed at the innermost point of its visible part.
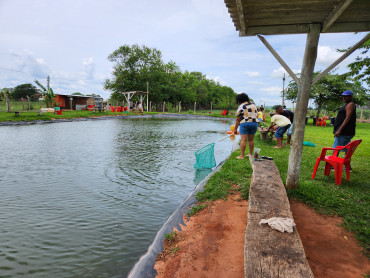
(248, 128)
(290, 130)
(280, 131)
(342, 140)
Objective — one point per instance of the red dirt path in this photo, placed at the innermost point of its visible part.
(212, 244)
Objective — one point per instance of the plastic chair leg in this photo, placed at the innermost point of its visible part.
(348, 170)
(327, 169)
(338, 170)
(315, 169)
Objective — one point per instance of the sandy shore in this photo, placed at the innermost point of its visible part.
(212, 244)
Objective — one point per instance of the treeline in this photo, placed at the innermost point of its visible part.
(136, 65)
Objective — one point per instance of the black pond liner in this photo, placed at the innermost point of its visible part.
(144, 267)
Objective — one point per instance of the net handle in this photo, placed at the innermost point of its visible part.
(224, 138)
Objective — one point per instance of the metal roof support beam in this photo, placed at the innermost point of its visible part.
(344, 56)
(309, 60)
(280, 60)
(337, 12)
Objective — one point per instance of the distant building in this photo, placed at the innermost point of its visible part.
(76, 102)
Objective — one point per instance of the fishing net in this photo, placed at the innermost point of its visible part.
(205, 157)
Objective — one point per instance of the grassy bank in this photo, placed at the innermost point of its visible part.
(30, 116)
(350, 200)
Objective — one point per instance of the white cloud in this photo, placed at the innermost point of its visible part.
(89, 66)
(272, 91)
(326, 55)
(279, 73)
(216, 79)
(25, 61)
(253, 73)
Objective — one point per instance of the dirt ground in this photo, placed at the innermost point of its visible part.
(212, 244)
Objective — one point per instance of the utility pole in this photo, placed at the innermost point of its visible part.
(283, 103)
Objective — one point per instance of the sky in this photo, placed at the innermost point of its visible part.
(70, 41)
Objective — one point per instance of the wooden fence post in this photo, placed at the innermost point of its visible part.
(195, 106)
(164, 105)
(150, 106)
(7, 103)
(22, 103)
(179, 107)
(29, 103)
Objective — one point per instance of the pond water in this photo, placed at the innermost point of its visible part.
(86, 199)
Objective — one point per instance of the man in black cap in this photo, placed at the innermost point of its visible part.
(345, 122)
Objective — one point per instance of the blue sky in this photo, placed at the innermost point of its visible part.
(71, 40)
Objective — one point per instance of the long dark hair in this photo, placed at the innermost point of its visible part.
(241, 98)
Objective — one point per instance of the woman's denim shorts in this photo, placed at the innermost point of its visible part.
(248, 128)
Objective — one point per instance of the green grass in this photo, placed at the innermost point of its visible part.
(34, 116)
(234, 175)
(350, 200)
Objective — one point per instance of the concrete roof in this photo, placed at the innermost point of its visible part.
(273, 17)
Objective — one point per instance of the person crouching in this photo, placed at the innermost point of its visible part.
(283, 123)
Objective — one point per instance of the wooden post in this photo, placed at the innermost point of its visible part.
(71, 103)
(150, 104)
(164, 105)
(362, 113)
(211, 107)
(179, 107)
(7, 103)
(295, 156)
(147, 96)
(22, 103)
(29, 103)
(283, 102)
(195, 106)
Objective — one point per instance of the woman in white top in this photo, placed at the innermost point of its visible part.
(247, 119)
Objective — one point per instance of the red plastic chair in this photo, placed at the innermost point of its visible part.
(112, 108)
(321, 121)
(224, 113)
(336, 161)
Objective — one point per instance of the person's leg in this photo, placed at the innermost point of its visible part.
(243, 144)
(252, 129)
(251, 143)
(243, 131)
(289, 135)
(279, 137)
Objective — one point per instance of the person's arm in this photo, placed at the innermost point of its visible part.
(350, 108)
(237, 123)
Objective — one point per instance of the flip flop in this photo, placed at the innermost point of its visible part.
(239, 157)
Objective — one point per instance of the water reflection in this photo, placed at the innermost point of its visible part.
(201, 174)
(85, 199)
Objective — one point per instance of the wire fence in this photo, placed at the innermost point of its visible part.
(21, 105)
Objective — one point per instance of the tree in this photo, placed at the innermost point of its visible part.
(360, 69)
(24, 90)
(326, 93)
(48, 93)
(135, 66)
